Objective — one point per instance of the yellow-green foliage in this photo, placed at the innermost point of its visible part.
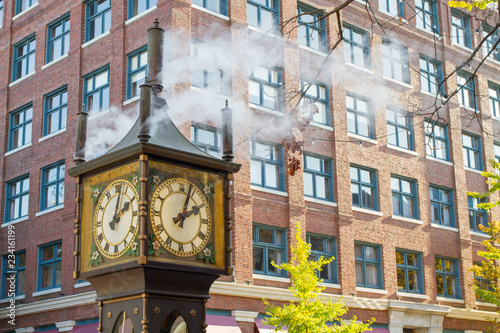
(481, 4)
(310, 312)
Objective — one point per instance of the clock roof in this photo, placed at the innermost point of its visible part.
(166, 142)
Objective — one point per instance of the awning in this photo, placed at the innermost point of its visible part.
(87, 328)
(264, 328)
(222, 324)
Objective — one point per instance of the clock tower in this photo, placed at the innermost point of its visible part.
(153, 222)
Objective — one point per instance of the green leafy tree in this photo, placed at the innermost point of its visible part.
(481, 4)
(311, 311)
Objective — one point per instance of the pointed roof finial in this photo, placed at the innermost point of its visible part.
(156, 23)
(227, 103)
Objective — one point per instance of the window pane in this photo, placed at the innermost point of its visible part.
(272, 175)
(258, 258)
(371, 275)
(308, 184)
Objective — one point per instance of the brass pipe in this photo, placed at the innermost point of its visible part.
(81, 136)
(155, 56)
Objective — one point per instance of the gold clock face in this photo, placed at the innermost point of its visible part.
(115, 223)
(180, 217)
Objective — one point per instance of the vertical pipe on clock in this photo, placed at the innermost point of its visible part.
(155, 56)
(227, 133)
(145, 112)
(81, 136)
(77, 253)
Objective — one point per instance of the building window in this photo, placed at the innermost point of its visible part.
(20, 127)
(472, 151)
(135, 7)
(263, 14)
(494, 93)
(447, 280)
(368, 265)
(490, 42)
(218, 6)
(364, 188)
(56, 105)
(269, 244)
(22, 5)
(267, 168)
(311, 28)
(460, 29)
(466, 90)
(359, 117)
(17, 198)
(98, 18)
(356, 46)
(318, 177)
(392, 7)
(399, 129)
(96, 91)
(442, 206)
(427, 17)
(409, 271)
(477, 216)
(206, 138)
(483, 283)
(431, 76)
(325, 247)
(13, 266)
(404, 197)
(395, 61)
(58, 39)
(1, 13)
(49, 266)
(52, 193)
(207, 70)
(137, 70)
(497, 152)
(265, 87)
(317, 99)
(24, 58)
(436, 141)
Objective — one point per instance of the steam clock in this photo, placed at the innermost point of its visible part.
(153, 221)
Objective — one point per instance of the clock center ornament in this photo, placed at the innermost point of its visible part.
(153, 220)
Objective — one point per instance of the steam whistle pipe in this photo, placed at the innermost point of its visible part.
(155, 56)
(227, 133)
(81, 136)
(145, 112)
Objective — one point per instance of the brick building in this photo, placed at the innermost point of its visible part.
(403, 238)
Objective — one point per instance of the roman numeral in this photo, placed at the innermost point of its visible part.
(100, 237)
(108, 195)
(193, 247)
(116, 249)
(98, 224)
(201, 235)
(134, 213)
(118, 188)
(181, 248)
(156, 212)
(169, 241)
(101, 207)
(201, 206)
(106, 247)
(159, 227)
(169, 188)
(161, 199)
(204, 221)
(125, 243)
(132, 229)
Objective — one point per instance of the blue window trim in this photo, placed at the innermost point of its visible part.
(469, 87)
(440, 203)
(435, 138)
(490, 41)
(359, 183)
(26, 125)
(496, 147)
(149, 4)
(65, 21)
(6, 271)
(207, 68)
(215, 149)
(434, 14)
(364, 261)
(323, 173)
(347, 33)
(206, 4)
(431, 75)
(402, 59)
(268, 82)
(29, 52)
(266, 246)
(267, 7)
(409, 268)
(136, 71)
(474, 212)
(445, 274)
(400, 7)
(400, 194)
(316, 98)
(58, 180)
(89, 18)
(476, 147)
(100, 88)
(318, 25)
(326, 254)
(402, 127)
(52, 262)
(464, 26)
(274, 160)
(18, 5)
(1, 13)
(485, 284)
(62, 109)
(494, 100)
(9, 198)
(369, 115)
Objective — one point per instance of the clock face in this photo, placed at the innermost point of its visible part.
(115, 221)
(180, 217)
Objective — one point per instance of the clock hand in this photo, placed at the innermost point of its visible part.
(182, 216)
(116, 217)
(194, 210)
